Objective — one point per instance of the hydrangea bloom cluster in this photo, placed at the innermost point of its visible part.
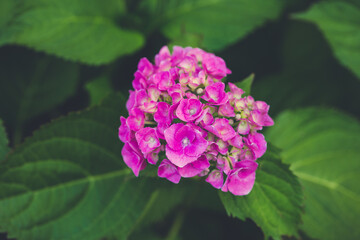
(180, 107)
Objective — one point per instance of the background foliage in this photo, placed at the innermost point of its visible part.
(65, 71)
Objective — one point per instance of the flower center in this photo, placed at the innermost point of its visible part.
(192, 111)
(185, 142)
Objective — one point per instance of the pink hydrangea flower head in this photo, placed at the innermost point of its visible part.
(179, 108)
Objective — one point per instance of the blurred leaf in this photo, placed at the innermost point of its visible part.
(310, 74)
(322, 146)
(215, 23)
(340, 23)
(79, 30)
(7, 9)
(274, 203)
(4, 149)
(98, 89)
(31, 84)
(162, 202)
(68, 181)
(244, 84)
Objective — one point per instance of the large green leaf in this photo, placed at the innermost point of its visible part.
(340, 23)
(4, 149)
(274, 203)
(79, 30)
(31, 84)
(68, 181)
(322, 148)
(310, 75)
(213, 24)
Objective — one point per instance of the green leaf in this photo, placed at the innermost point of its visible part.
(309, 76)
(162, 202)
(7, 9)
(4, 149)
(98, 89)
(216, 23)
(244, 84)
(80, 30)
(340, 23)
(322, 146)
(69, 181)
(274, 203)
(27, 79)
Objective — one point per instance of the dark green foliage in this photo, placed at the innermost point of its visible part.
(340, 24)
(78, 30)
(274, 204)
(325, 155)
(67, 179)
(31, 85)
(4, 149)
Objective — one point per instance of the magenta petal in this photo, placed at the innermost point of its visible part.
(147, 139)
(226, 110)
(185, 132)
(216, 179)
(257, 143)
(169, 134)
(222, 129)
(236, 141)
(136, 120)
(169, 171)
(242, 178)
(145, 67)
(194, 168)
(189, 171)
(162, 113)
(197, 147)
(130, 103)
(124, 131)
(178, 158)
(202, 163)
(133, 158)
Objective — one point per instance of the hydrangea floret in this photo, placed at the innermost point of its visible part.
(179, 107)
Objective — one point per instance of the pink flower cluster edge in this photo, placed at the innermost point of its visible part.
(179, 106)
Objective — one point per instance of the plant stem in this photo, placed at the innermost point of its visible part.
(176, 226)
